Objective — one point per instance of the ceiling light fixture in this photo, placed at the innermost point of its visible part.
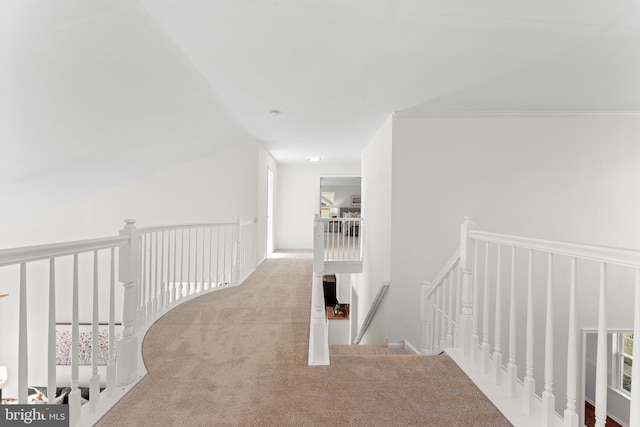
(275, 112)
(314, 158)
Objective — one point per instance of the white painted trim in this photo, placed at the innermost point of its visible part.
(408, 346)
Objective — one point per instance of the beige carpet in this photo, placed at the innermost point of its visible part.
(238, 357)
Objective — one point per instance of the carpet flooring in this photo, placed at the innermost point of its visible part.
(238, 357)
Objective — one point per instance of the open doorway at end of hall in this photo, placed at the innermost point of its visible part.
(340, 196)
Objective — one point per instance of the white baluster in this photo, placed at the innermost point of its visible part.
(434, 321)
(450, 313)
(475, 338)
(602, 350)
(154, 299)
(436, 314)
(111, 367)
(443, 316)
(163, 283)
(189, 291)
(94, 382)
(142, 313)
(570, 415)
(458, 313)
(51, 327)
(529, 381)
(497, 352)
(425, 303)
(634, 415)
(548, 399)
(174, 257)
(202, 275)
(210, 254)
(74, 395)
(23, 351)
(224, 258)
(127, 360)
(485, 349)
(512, 369)
(181, 286)
(218, 257)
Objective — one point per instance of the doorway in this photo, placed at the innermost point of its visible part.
(269, 211)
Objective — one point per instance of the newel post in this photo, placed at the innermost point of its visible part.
(466, 313)
(425, 304)
(318, 345)
(129, 268)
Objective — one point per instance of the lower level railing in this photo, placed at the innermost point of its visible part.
(63, 330)
(470, 307)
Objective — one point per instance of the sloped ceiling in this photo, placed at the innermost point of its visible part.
(95, 93)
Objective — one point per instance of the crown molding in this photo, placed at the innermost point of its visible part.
(522, 113)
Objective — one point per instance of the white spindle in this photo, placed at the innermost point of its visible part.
(218, 256)
(111, 367)
(497, 352)
(436, 321)
(634, 416)
(143, 284)
(74, 396)
(601, 361)
(202, 275)
(189, 290)
(51, 327)
(154, 293)
(529, 380)
(443, 316)
(512, 369)
(485, 348)
(425, 302)
(570, 415)
(181, 285)
(94, 382)
(163, 283)
(450, 313)
(475, 339)
(210, 254)
(23, 352)
(175, 287)
(458, 313)
(548, 399)
(224, 258)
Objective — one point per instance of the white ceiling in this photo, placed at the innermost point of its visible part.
(108, 90)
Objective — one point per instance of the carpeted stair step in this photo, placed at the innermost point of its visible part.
(367, 350)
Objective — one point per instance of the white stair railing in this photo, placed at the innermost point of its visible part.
(342, 238)
(158, 267)
(471, 345)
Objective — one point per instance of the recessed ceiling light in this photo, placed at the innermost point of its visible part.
(314, 158)
(275, 112)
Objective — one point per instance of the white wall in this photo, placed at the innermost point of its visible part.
(299, 200)
(376, 211)
(570, 178)
(215, 188)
